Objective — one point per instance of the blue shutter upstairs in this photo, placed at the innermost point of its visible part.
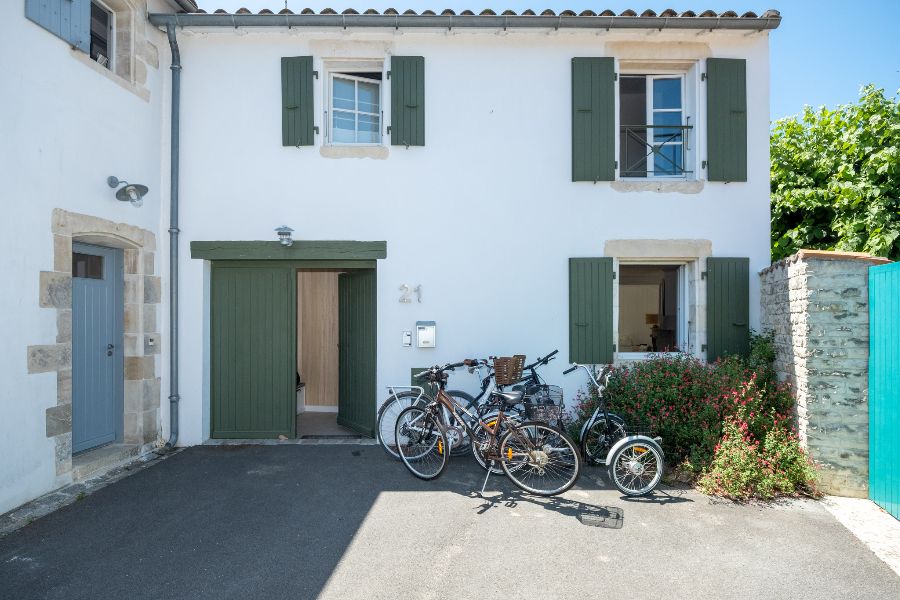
(66, 19)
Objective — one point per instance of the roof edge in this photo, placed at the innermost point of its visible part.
(770, 20)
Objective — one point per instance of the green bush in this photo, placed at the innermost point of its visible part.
(695, 406)
(744, 468)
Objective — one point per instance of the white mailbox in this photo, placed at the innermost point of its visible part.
(425, 334)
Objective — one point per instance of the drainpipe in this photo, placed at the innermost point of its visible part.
(174, 398)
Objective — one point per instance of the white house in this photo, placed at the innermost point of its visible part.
(596, 183)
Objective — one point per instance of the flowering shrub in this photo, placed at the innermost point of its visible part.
(743, 467)
(733, 411)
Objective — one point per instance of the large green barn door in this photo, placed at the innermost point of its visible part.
(253, 332)
(357, 331)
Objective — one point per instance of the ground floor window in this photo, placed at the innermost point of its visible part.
(652, 308)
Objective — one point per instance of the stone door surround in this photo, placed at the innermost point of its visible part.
(141, 339)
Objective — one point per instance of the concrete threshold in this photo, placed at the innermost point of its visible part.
(93, 462)
(321, 441)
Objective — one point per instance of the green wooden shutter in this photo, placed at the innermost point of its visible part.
(726, 119)
(407, 77)
(357, 333)
(591, 310)
(593, 119)
(727, 307)
(297, 127)
(253, 370)
(68, 19)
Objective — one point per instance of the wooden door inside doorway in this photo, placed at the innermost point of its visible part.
(317, 339)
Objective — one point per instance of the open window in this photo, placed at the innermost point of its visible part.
(102, 37)
(654, 126)
(354, 101)
(652, 309)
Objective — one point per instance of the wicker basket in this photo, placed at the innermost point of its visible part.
(508, 369)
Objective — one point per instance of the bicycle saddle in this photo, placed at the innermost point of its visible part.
(509, 399)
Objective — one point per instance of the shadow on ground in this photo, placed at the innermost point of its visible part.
(236, 521)
(347, 521)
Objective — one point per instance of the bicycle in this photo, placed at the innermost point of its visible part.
(397, 401)
(634, 460)
(536, 457)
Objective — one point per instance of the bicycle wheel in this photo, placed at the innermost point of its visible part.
(480, 439)
(597, 439)
(540, 459)
(637, 467)
(422, 442)
(387, 418)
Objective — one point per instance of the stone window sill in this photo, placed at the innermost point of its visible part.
(375, 152)
(679, 187)
(140, 92)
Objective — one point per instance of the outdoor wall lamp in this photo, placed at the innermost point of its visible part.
(284, 235)
(131, 192)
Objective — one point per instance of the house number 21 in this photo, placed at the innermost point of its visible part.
(406, 297)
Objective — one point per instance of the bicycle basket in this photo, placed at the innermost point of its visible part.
(542, 412)
(545, 394)
(508, 369)
(638, 429)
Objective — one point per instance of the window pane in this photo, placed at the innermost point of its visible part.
(633, 101)
(368, 97)
(667, 161)
(667, 93)
(344, 128)
(666, 134)
(342, 94)
(368, 132)
(87, 266)
(100, 26)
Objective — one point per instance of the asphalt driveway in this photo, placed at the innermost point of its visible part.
(298, 521)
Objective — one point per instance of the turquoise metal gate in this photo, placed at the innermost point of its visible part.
(884, 387)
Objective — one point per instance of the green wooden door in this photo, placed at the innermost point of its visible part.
(884, 394)
(253, 323)
(357, 334)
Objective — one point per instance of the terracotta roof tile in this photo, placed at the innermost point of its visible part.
(566, 14)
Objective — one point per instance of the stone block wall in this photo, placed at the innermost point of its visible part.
(816, 304)
(142, 296)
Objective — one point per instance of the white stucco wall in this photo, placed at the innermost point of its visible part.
(492, 185)
(66, 127)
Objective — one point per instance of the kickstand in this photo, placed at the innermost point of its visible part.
(483, 485)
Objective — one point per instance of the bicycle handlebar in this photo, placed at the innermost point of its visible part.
(569, 370)
(448, 367)
(541, 361)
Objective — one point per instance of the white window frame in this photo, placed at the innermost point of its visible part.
(651, 162)
(111, 42)
(686, 116)
(330, 110)
(682, 306)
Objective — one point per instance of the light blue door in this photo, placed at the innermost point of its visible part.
(97, 353)
(884, 387)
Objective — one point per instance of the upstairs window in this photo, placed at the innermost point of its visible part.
(101, 34)
(355, 108)
(653, 130)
